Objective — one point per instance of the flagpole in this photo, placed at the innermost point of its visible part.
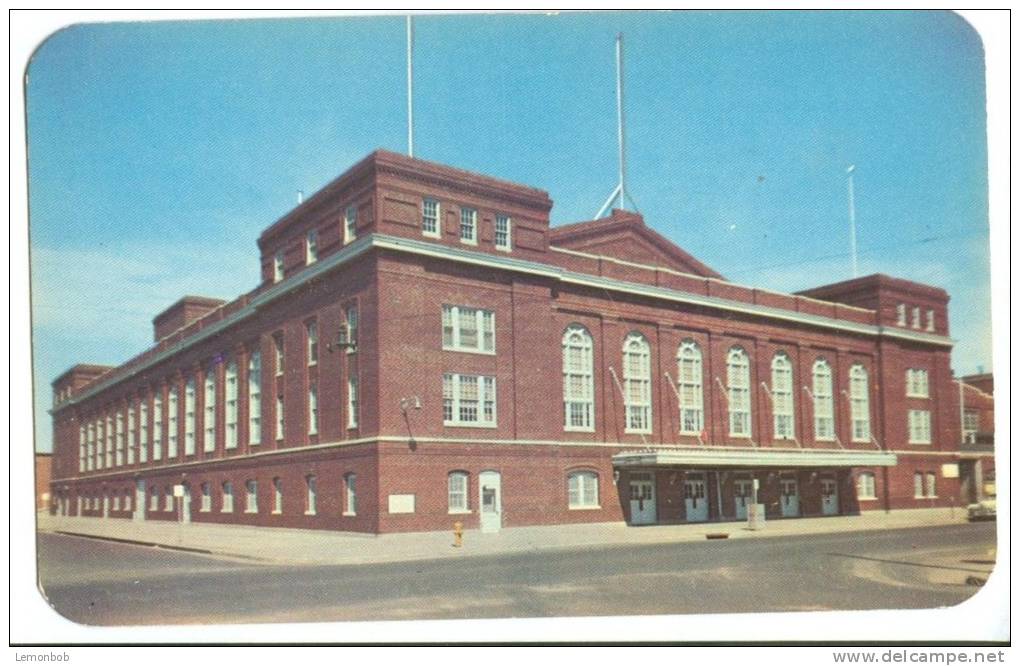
(853, 219)
(410, 87)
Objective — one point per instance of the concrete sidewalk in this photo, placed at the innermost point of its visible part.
(291, 546)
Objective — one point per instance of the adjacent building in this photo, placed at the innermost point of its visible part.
(423, 349)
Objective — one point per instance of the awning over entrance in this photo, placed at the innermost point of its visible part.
(712, 456)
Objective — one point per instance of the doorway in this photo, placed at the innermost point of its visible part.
(830, 496)
(642, 499)
(789, 497)
(139, 500)
(743, 489)
(695, 497)
(490, 501)
(186, 505)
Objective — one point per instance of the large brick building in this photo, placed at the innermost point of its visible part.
(424, 348)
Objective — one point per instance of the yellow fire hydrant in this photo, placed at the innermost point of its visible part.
(458, 534)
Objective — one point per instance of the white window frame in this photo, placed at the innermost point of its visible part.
(130, 444)
(154, 499)
(637, 384)
(189, 417)
(783, 403)
(434, 218)
(109, 441)
(209, 411)
(82, 448)
(255, 398)
(227, 497)
(930, 489)
(313, 408)
(230, 405)
(917, 383)
(206, 505)
(312, 342)
(457, 319)
(278, 266)
(143, 430)
(277, 496)
(690, 386)
(168, 501)
(866, 486)
(311, 247)
(901, 314)
(578, 380)
(930, 324)
(119, 457)
(822, 401)
(915, 317)
(505, 234)
(157, 425)
(738, 391)
(173, 414)
(280, 430)
(352, 402)
(454, 388)
(350, 223)
(351, 315)
(971, 425)
(90, 447)
(251, 496)
(468, 221)
(278, 354)
(350, 494)
(919, 426)
(583, 490)
(311, 495)
(457, 492)
(860, 405)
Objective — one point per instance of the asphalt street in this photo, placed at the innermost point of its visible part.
(104, 583)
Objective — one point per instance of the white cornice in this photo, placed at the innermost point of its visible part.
(431, 249)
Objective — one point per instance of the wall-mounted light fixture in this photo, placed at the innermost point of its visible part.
(343, 340)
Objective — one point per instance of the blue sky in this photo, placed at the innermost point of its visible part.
(158, 151)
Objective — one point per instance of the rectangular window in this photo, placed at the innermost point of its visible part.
(116, 502)
(279, 417)
(312, 247)
(209, 413)
(919, 423)
(255, 398)
(252, 496)
(469, 226)
(469, 329)
(81, 448)
(189, 417)
(206, 498)
(278, 266)
(901, 314)
(860, 416)
(352, 402)
(430, 217)
(312, 337)
(143, 431)
(313, 409)
(457, 492)
(227, 505)
(278, 352)
(583, 490)
(469, 400)
(171, 423)
(917, 383)
(929, 485)
(157, 425)
(90, 447)
(502, 236)
(154, 500)
(230, 406)
(866, 486)
(277, 496)
(168, 503)
(350, 224)
(131, 441)
(351, 315)
(931, 320)
(918, 485)
(109, 441)
(915, 319)
(311, 497)
(971, 425)
(350, 495)
(120, 439)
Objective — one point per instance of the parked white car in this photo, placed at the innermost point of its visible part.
(983, 510)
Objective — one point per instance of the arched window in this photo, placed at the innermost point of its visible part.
(782, 396)
(457, 492)
(738, 388)
(578, 379)
(277, 495)
(583, 490)
(688, 372)
(209, 413)
(860, 415)
(350, 495)
(227, 506)
(255, 398)
(230, 405)
(866, 485)
(821, 379)
(252, 496)
(637, 383)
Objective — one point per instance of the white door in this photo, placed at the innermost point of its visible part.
(830, 497)
(695, 498)
(642, 499)
(139, 499)
(742, 496)
(789, 498)
(491, 501)
(106, 506)
(186, 505)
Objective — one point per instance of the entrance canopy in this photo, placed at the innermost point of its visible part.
(704, 456)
